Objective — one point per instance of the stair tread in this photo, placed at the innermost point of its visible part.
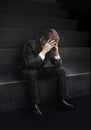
(72, 70)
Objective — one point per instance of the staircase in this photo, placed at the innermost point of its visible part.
(21, 21)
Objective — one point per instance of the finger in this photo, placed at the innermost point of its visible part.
(52, 46)
(49, 40)
(52, 41)
(56, 44)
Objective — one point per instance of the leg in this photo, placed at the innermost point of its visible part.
(32, 76)
(60, 73)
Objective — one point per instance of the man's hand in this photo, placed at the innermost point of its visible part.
(55, 50)
(48, 46)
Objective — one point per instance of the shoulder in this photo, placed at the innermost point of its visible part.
(30, 43)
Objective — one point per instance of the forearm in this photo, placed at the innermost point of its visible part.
(33, 62)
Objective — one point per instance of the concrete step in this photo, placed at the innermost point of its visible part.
(16, 37)
(27, 21)
(33, 10)
(71, 70)
(14, 92)
(72, 56)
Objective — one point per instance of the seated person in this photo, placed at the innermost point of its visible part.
(35, 56)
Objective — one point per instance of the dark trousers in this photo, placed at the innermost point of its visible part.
(46, 72)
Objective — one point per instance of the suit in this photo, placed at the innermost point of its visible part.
(31, 58)
(34, 67)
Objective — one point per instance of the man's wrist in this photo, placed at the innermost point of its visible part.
(56, 54)
(42, 55)
(57, 57)
(44, 52)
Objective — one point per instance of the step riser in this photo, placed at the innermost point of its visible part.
(9, 58)
(15, 96)
(30, 4)
(11, 21)
(75, 55)
(79, 85)
(35, 11)
(18, 37)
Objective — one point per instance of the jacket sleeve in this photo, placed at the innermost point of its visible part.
(31, 61)
(56, 62)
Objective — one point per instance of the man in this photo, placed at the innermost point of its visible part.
(36, 54)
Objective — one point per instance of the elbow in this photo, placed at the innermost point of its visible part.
(30, 65)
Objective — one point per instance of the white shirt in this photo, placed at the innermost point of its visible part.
(43, 56)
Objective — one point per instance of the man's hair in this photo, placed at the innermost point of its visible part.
(51, 34)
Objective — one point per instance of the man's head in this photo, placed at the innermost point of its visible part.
(50, 34)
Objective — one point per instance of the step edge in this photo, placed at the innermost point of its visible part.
(69, 75)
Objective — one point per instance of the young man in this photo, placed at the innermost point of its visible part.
(36, 54)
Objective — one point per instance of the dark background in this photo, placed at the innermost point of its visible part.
(80, 10)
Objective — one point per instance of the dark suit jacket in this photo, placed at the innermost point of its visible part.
(31, 58)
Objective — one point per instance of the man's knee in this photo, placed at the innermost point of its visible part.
(32, 73)
(61, 70)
